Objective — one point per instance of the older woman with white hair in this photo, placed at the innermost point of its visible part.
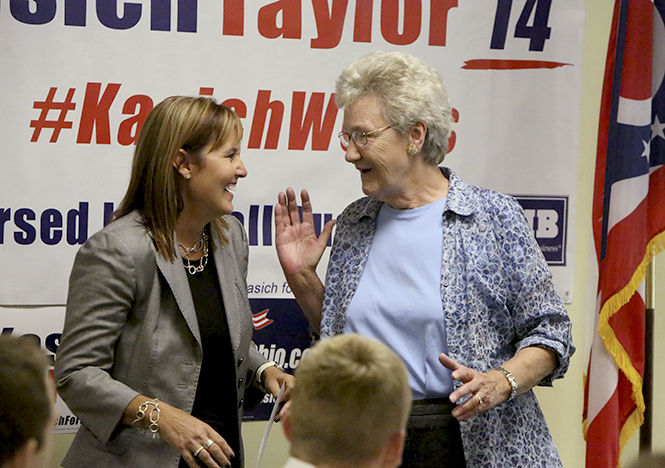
(448, 274)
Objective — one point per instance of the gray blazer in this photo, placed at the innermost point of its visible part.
(131, 328)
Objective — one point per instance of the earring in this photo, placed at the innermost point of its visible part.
(411, 149)
(187, 176)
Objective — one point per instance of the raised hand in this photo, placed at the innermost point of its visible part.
(299, 251)
(298, 247)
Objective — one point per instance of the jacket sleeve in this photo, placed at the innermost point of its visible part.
(100, 297)
(238, 239)
(539, 315)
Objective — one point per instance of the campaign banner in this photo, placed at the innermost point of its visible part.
(80, 77)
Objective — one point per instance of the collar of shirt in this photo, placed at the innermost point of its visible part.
(459, 201)
(294, 462)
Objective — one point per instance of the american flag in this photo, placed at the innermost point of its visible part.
(628, 224)
(260, 319)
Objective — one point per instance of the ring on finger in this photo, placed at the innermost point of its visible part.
(479, 399)
(197, 451)
(208, 443)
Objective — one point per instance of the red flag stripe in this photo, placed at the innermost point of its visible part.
(604, 428)
(637, 81)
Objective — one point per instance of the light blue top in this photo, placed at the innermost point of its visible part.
(497, 297)
(398, 300)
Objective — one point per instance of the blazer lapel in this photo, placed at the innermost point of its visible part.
(176, 277)
(226, 272)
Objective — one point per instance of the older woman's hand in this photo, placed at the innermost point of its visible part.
(298, 246)
(299, 250)
(485, 390)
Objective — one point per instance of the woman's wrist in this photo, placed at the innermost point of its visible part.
(147, 416)
(304, 278)
(509, 385)
(263, 372)
(143, 412)
(308, 290)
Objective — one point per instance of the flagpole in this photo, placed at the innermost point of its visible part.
(647, 381)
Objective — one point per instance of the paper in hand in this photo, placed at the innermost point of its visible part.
(264, 441)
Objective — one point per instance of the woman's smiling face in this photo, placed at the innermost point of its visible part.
(213, 179)
(383, 162)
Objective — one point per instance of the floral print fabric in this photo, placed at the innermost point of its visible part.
(497, 296)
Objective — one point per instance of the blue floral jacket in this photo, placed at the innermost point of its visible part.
(497, 297)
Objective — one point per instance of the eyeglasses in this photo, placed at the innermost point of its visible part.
(358, 137)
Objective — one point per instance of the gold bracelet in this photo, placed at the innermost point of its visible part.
(514, 386)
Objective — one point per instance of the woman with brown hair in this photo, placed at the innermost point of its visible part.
(156, 352)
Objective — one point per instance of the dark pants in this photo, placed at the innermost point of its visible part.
(433, 436)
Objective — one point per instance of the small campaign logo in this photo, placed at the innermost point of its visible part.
(548, 218)
(260, 319)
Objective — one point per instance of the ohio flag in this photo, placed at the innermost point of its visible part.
(628, 224)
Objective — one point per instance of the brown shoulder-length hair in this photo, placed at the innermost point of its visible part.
(178, 122)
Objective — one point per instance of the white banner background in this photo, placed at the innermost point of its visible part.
(516, 131)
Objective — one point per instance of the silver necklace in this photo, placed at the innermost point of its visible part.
(202, 243)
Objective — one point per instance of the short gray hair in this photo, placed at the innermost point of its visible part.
(411, 92)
